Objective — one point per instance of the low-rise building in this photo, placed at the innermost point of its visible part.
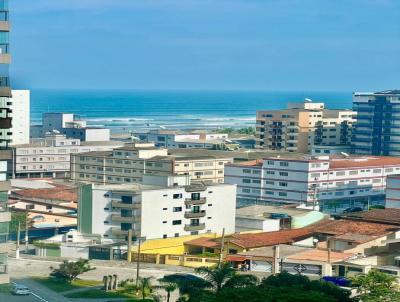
(128, 164)
(50, 156)
(177, 139)
(160, 207)
(273, 218)
(303, 125)
(332, 183)
(71, 126)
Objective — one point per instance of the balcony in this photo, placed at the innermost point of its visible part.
(192, 228)
(189, 201)
(119, 218)
(195, 214)
(121, 205)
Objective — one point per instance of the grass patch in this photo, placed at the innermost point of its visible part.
(5, 288)
(97, 293)
(59, 286)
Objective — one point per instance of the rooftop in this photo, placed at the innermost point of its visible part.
(59, 192)
(377, 215)
(341, 227)
(262, 212)
(268, 251)
(320, 255)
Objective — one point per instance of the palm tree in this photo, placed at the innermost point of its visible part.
(145, 287)
(225, 276)
(169, 288)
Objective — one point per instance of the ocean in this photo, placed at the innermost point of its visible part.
(136, 110)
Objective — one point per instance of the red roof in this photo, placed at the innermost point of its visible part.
(59, 192)
(204, 242)
(378, 216)
(252, 240)
(341, 227)
(363, 161)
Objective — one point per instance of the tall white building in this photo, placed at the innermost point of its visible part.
(333, 183)
(21, 117)
(160, 207)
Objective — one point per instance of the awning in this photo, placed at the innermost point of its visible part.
(236, 258)
(397, 258)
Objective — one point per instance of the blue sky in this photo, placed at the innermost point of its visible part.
(340, 45)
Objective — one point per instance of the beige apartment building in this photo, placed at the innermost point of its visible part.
(302, 126)
(128, 165)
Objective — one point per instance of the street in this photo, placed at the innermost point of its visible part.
(22, 269)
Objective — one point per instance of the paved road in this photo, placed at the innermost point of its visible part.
(22, 269)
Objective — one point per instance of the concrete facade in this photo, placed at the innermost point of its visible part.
(156, 211)
(301, 126)
(128, 165)
(50, 156)
(333, 184)
(21, 117)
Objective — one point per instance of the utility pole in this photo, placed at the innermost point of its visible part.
(17, 243)
(26, 234)
(221, 252)
(129, 255)
(138, 264)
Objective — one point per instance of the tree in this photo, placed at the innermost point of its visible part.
(225, 276)
(21, 218)
(169, 288)
(377, 286)
(145, 286)
(68, 271)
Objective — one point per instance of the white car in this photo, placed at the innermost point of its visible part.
(20, 290)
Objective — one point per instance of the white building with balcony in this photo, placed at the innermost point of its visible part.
(160, 207)
(331, 183)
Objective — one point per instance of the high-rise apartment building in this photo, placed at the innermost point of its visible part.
(20, 106)
(302, 126)
(5, 137)
(377, 130)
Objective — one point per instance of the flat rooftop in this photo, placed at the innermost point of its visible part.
(261, 212)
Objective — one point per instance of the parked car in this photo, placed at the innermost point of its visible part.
(339, 281)
(353, 210)
(20, 290)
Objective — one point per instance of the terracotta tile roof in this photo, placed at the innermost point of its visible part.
(204, 242)
(59, 192)
(377, 215)
(363, 161)
(253, 240)
(357, 238)
(250, 163)
(340, 227)
(320, 255)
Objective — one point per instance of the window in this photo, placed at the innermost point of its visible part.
(247, 171)
(176, 235)
(339, 193)
(284, 164)
(246, 181)
(353, 172)
(270, 162)
(195, 196)
(177, 209)
(256, 181)
(377, 171)
(269, 182)
(341, 173)
(177, 196)
(245, 190)
(283, 184)
(376, 180)
(283, 194)
(270, 172)
(314, 175)
(126, 199)
(283, 174)
(269, 192)
(164, 236)
(176, 222)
